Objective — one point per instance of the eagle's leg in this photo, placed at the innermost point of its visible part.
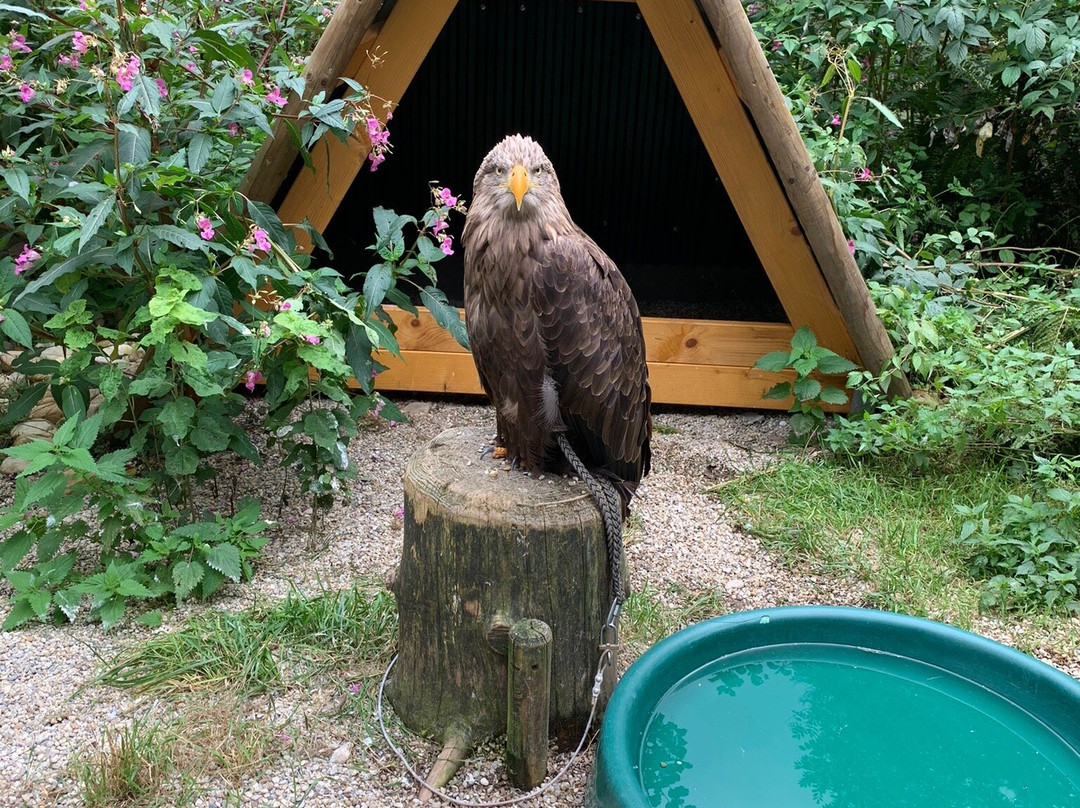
(498, 451)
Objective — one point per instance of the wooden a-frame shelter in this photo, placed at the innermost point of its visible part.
(738, 110)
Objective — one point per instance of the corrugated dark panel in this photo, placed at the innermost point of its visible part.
(586, 80)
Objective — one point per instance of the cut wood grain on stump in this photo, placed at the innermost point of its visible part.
(484, 548)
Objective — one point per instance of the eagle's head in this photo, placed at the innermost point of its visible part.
(517, 180)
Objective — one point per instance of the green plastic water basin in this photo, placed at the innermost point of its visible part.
(815, 706)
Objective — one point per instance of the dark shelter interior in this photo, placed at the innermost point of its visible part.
(587, 81)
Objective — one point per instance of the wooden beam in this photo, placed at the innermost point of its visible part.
(811, 205)
(680, 341)
(672, 383)
(324, 68)
(715, 371)
(705, 85)
(404, 40)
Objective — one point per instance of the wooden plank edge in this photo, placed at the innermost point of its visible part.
(443, 372)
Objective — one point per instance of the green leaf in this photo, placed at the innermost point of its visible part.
(26, 12)
(1010, 75)
(18, 181)
(890, 116)
(111, 611)
(833, 395)
(20, 613)
(133, 144)
(181, 461)
(68, 601)
(44, 487)
(178, 236)
(150, 619)
(831, 364)
(778, 391)
(129, 587)
(225, 558)
(15, 326)
(21, 580)
(803, 339)
(175, 417)
(321, 426)
(39, 601)
(806, 389)
(95, 219)
(445, 315)
(266, 217)
(186, 576)
(14, 549)
(377, 280)
(216, 46)
(774, 362)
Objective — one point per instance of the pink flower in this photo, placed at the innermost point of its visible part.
(246, 78)
(206, 229)
(26, 92)
(192, 49)
(262, 240)
(252, 378)
(851, 245)
(162, 88)
(78, 42)
(776, 45)
(5, 62)
(373, 126)
(863, 174)
(312, 340)
(447, 197)
(399, 512)
(355, 687)
(439, 226)
(377, 159)
(126, 74)
(275, 97)
(447, 246)
(82, 4)
(285, 305)
(70, 60)
(26, 259)
(234, 128)
(18, 43)
(835, 120)
(191, 67)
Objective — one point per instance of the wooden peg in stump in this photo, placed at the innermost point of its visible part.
(527, 705)
(484, 548)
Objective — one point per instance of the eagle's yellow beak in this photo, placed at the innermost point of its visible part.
(519, 183)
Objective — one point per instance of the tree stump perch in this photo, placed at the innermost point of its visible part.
(484, 548)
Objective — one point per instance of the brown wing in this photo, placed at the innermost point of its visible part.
(591, 330)
(507, 348)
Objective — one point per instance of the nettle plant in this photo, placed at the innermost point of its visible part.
(805, 358)
(125, 130)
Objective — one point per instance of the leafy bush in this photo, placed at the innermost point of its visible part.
(943, 96)
(124, 134)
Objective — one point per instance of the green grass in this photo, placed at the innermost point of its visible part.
(209, 679)
(245, 651)
(132, 767)
(649, 615)
(896, 531)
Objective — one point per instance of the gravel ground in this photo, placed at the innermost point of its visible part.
(48, 718)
